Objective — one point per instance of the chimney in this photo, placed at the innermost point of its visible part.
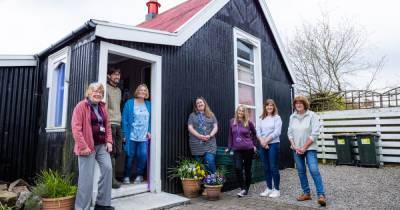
(152, 10)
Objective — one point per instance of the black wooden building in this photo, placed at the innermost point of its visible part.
(225, 50)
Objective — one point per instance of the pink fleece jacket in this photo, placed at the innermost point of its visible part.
(82, 128)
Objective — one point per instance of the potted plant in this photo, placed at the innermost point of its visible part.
(213, 184)
(55, 190)
(191, 173)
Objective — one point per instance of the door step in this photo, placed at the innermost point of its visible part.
(148, 200)
(129, 190)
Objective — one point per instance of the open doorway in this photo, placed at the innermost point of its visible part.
(133, 73)
(137, 67)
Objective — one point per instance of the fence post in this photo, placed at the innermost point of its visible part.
(379, 131)
(322, 140)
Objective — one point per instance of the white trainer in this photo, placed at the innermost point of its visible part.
(266, 192)
(274, 194)
(138, 180)
(241, 193)
(126, 180)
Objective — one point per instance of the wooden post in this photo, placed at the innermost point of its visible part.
(322, 140)
(379, 131)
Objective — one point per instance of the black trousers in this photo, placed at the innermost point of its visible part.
(243, 160)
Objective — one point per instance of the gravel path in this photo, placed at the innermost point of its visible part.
(346, 187)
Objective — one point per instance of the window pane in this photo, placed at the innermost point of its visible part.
(252, 115)
(60, 72)
(245, 50)
(246, 95)
(245, 72)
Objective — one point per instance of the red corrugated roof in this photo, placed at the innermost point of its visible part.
(174, 18)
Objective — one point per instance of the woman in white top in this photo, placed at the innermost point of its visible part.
(268, 132)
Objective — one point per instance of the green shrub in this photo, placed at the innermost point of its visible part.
(32, 203)
(5, 207)
(51, 184)
(187, 169)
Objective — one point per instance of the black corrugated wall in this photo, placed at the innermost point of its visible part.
(18, 121)
(56, 148)
(203, 66)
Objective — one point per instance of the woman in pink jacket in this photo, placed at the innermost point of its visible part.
(91, 130)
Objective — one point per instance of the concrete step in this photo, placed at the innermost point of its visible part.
(148, 200)
(128, 190)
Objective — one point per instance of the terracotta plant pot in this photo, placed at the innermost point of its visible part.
(191, 187)
(64, 203)
(213, 192)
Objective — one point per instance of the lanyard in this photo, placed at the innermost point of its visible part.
(202, 123)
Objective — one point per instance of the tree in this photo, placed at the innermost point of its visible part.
(323, 55)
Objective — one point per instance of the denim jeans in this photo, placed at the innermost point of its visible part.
(209, 161)
(270, 159)
(139, 150)
(310, 156)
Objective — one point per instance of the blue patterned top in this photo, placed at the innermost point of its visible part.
(139, 126)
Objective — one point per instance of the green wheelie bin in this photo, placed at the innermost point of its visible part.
(344, 149)
(368, 149)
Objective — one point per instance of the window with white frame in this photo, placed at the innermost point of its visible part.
(57, 83)
(248, 76)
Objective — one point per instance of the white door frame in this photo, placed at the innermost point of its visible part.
(155, 60)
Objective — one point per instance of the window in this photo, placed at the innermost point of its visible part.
(57, 83)
(248, 87)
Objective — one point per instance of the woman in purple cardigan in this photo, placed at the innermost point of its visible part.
(242, 140)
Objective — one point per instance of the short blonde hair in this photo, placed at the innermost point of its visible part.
(96, 86)
(137, 91)
(303, 100)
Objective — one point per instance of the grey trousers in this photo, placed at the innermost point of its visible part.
(85, 180)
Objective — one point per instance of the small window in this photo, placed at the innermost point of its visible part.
(57, 84)
(59, 94)
(248, 87)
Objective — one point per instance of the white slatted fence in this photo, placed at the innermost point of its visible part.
(384, 121)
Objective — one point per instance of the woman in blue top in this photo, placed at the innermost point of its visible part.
(136, 123)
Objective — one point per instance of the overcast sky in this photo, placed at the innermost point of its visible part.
(30, 26)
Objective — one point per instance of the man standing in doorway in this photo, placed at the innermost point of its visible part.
(114, 110)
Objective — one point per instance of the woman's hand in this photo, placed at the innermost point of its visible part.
(268, 139)
(85, 152)
(255, 149)
(148, 136)
(203, 138)
(301, 150)
(226, 150)
(109, 147)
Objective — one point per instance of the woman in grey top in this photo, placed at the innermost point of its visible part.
(268, 132)
(203, 126)
(303, 134)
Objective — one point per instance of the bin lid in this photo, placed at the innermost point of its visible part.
(367, 134)
(344, 135)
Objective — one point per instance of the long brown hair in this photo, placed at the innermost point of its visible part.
(207, 109)
(245, 120)
(265, 113)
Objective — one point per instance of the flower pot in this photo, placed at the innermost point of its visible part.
(64, 203)
(191, 187)
(213, 192)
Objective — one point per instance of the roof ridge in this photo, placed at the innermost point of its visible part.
(172, 19)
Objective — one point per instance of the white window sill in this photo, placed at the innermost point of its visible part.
(57, 129)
